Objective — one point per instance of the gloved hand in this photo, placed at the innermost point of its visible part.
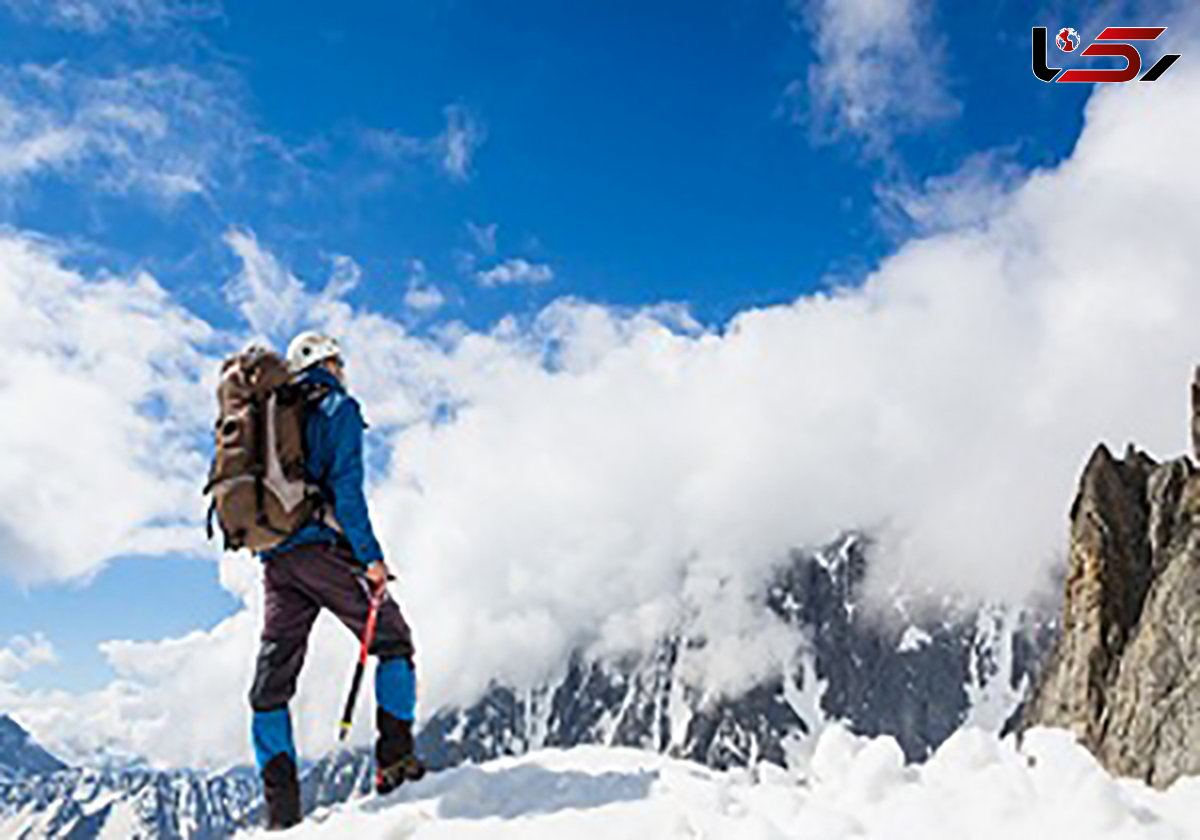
(377, 575)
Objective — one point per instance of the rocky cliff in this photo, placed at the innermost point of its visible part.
(1124, 674)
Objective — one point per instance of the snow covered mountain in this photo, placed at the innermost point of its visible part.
(853, 788)
(877, 674)
(881, 674)
(20, 756)
(87, 804)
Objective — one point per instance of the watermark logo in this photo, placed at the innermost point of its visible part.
(1067, 39)
(1120, 44)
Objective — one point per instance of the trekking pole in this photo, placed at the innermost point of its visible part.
(368, 636)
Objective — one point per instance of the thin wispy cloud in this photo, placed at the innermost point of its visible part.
(24, 653)
(421, 294)
(968, 196)
(98, 16)
(878, 71)
(457, 145)
(270, 298)
(483, 237)
(163, 132)
(167, 132)
(451, 151)
(515, 271)
(394, 145)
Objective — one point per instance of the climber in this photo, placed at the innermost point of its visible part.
(334, 561)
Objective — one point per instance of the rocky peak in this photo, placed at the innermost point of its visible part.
(1121, 673)
(20, 755)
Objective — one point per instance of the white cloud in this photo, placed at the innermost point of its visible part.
(947, 405)
(344, 278)
(424, 298)
(168, 133)
(160, 131)
(969, 196)
(452, 150)
(878, 70)
(457, 145)
(101, 410)
(183, 702)
(271, 299)
(603, 476)
(515, 271)
(23, 653)
(276, 304)
(97, 16)
(421, 294)
(394, 145)
(484, 237)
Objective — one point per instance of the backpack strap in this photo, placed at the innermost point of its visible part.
(322, 397)
(257, 417)
(208, 526)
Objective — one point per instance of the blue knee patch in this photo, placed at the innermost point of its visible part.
(272, 733)
(396, 687)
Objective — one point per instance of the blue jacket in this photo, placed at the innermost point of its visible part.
(333, 437)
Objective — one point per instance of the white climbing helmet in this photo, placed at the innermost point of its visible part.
(309, 348)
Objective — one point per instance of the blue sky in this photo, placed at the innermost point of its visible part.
(644, 154)
(632, 153)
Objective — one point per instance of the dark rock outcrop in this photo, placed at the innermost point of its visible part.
(878, 671)
(20, 755)
(1124, 675)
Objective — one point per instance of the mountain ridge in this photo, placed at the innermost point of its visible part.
(917, 683)
(20, 755)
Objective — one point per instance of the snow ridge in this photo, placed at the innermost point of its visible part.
(974, 787)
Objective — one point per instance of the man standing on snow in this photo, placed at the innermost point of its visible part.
(333, 562)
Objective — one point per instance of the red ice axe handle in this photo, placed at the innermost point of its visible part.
(368, 636)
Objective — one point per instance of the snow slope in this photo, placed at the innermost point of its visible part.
(975, 787)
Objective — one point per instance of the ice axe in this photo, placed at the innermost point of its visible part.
(368, 636)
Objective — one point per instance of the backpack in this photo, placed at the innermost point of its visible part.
(259, 491)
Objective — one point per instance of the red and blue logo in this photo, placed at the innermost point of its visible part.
(1113, 41)
(1067, 39)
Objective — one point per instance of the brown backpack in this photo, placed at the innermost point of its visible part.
(259, 491)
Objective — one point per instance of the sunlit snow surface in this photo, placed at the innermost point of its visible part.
(974, 788)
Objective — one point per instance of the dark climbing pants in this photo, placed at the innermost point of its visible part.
(299, 583)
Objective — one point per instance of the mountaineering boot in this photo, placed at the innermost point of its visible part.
(395, 758)
(281, 790)
(407, 769)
